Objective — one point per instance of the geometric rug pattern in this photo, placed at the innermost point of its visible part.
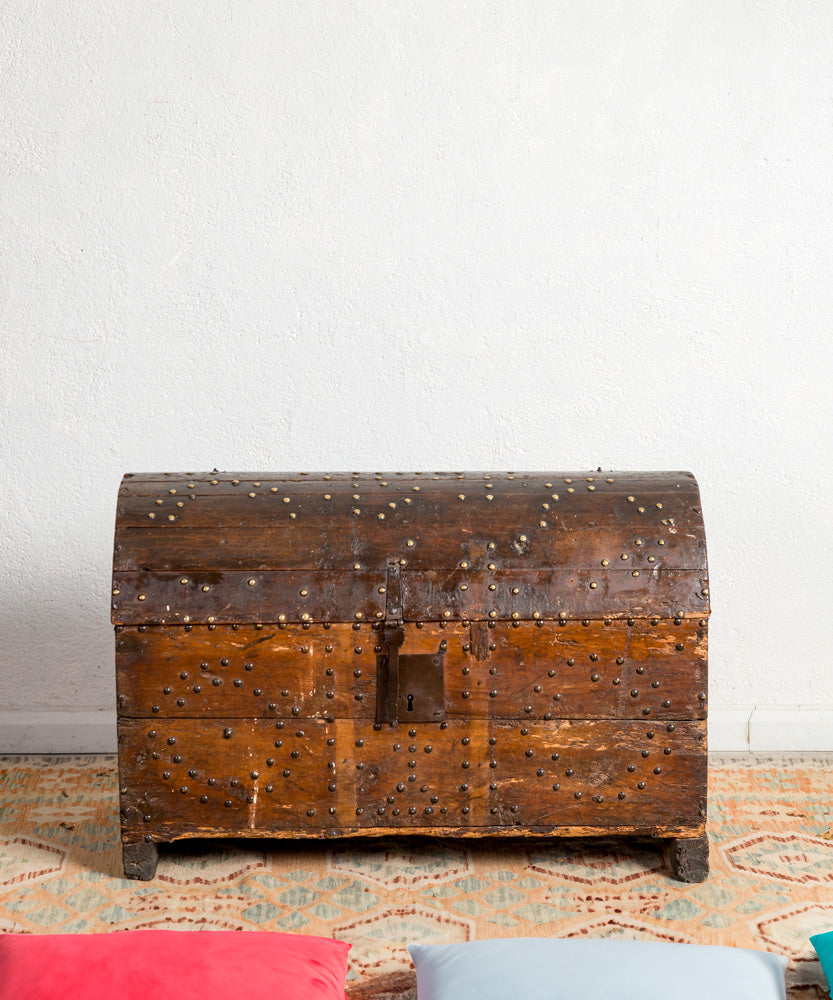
(770, 886)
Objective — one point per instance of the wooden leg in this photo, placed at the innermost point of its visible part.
(690, 858)
(139, 858)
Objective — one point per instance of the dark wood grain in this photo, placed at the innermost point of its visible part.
(220, 776)
(230, 596)
(298, 546)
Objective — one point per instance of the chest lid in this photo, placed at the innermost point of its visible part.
(340, 547)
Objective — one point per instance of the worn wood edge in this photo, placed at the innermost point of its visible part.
(439, 832)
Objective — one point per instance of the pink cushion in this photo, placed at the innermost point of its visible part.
(172, 965)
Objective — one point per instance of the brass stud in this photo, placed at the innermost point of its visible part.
(641, 510)
(515, 615)
(446, 614)
(492, 586)
(392, 505)
(172, 492)
(515, 590)
(493, 614)
(253, 495)
(590, 489)
(327, 496)
(206, 589)
(215, 482)
(661, 541)
(491, 566)
(605, 562)
(359, 614)
(543, 524)
(116, 591)
(404, 500)
(659, 506)
(637, 541)
(142, 597)
(286, 500)
(357, 566)
(410, 543)
(305, 617)
(252, 582)
(489, 496)
(635, 573)
(159, 502)
(415, 489)
(536, 615)
(464, 586)
(652, 559)
(555, 496)
(631, 499)
(186, 618)
(593, 585)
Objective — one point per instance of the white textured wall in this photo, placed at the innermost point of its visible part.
(416, 235)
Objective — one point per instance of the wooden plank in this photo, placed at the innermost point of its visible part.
(337, 545)
(238, 672)
(527, 672)
(207, 596)
(315, 595)
(151, 484)
(548, 594)
(520, 511)
(185, 777)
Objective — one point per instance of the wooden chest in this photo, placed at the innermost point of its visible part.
(334, 655)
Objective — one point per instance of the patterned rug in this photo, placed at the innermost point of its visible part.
(771, 882)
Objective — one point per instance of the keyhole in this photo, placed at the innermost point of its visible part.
(410, 703)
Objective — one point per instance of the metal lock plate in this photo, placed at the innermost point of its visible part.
(421, 688)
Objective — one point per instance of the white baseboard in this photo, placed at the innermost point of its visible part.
(729, 729)
(757, 728)
(58, 731)
(791, 728)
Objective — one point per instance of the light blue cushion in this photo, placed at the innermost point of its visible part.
(594, 969)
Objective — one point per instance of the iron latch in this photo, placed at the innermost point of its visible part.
(410, 686)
